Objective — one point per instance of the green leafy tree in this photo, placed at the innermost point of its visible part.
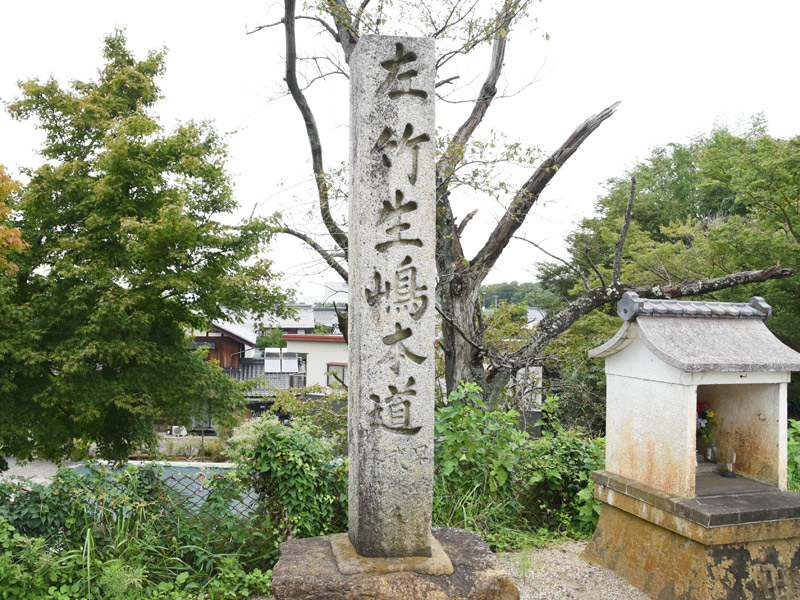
(527, 293)
(725, 202)
(10, 240)
(272, 339)
(126, 255)
(320, 329)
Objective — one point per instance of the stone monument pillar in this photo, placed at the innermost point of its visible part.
(391, 551)
(391, 311)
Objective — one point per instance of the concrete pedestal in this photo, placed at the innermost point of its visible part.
(737, 540)
(308, 570)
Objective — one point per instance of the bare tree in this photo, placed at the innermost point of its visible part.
(459, 277)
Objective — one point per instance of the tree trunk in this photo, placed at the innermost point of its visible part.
(459, 297)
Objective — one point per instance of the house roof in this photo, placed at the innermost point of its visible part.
(326, 315)
(239, 331)
(303, 320)
(246, 332)
(631, 305)
(717, 336)
(313, 337)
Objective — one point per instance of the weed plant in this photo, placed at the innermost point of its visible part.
(301, 485)
(794, 455)
(122, 534)
(516, 491)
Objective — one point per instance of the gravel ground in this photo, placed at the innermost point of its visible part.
(556, 572)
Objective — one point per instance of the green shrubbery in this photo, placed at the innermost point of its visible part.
(494, 479)
(794, 455)
(122, 534)
(554, 484)
(301, 486)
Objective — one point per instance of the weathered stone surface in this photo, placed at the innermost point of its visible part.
(391, 310)
(667, 565)
(307, 570)
(728, 511)
(350, 562)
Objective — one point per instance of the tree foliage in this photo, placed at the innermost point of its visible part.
(10, 240)
(126, 254)
(528, 293)
(722, 203)
(271, 339)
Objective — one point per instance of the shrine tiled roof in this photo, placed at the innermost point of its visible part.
(702, 336)
(631, 306)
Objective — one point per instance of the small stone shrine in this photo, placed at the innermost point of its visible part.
(391, 551)
(672, 523)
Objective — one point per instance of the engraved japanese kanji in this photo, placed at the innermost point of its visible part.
(389, 140)
(399, 351)
(393, 65)
(394, 411)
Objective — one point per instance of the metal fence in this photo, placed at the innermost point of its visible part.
(192, 493)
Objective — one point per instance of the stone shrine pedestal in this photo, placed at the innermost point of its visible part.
(308, 570)
(737, 539)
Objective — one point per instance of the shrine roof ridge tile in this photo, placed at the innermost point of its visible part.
(631, 305)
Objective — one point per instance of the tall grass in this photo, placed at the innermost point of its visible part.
(120, 534)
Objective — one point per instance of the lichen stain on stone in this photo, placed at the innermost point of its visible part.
(668, 566)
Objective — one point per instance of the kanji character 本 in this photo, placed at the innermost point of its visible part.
(399, 351)
(408, 292)
(394, 411)
(388, 139)
(401, 57)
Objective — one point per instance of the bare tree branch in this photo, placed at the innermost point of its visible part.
(622, 235)
(260, 27)
(298, 17)
(527, 195)
(339, 236)
(569, 265)
(593, 266)
(465, 220)
(553, 326)
(467, 338)
(329, 259)
(361, 9)
(455, 150)
(446, 81)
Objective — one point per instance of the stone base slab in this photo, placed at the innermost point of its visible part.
(666, 565)
(308, 570)
(350, 562)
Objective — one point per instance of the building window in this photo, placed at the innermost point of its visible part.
(337, 370)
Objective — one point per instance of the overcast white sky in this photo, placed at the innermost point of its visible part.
(678, 66)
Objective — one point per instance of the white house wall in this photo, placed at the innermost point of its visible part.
(318, 356)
